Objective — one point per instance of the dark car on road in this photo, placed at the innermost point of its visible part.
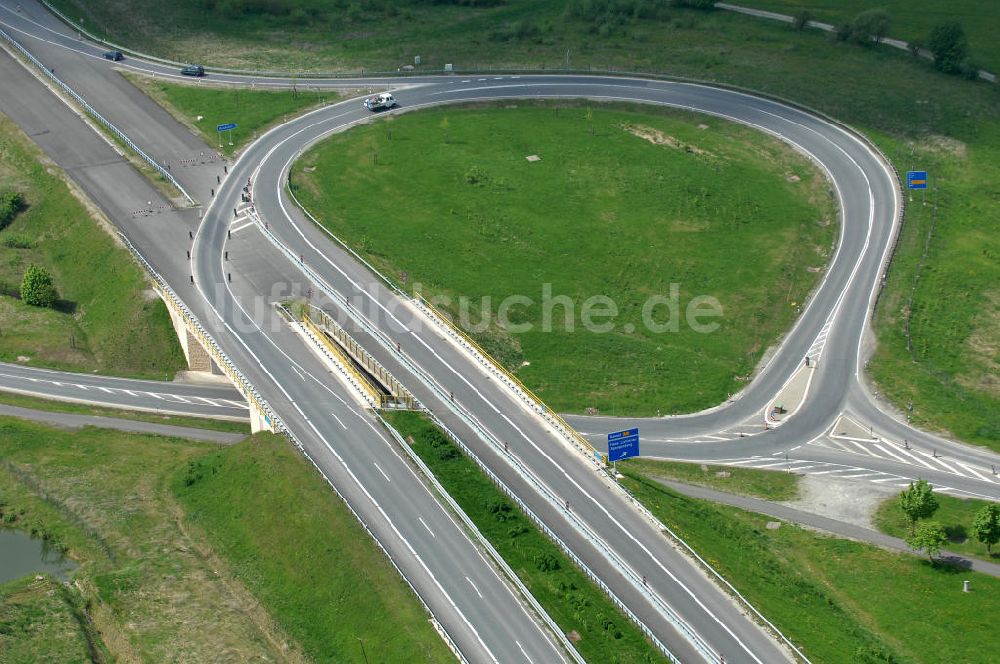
(193, 70)
(114, 56)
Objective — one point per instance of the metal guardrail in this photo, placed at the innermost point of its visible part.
(251, 393)
(205, 339)
(485, 543)
(373, 395)
(398, 394)
(526, 395)
(500, 484)
(579, 525)
(92, 112)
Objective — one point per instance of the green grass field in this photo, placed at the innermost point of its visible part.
(921, 118)
(107, 320)
(626, 203)
(563, 590)
(38, 622)
(25, 401)
(909, 20)
(766, 484)
(304, 555)
(955, 514)
(254, 111)
(157, 578)
(838, 600)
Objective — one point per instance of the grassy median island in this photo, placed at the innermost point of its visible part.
(106, 320)
(628, 209)
(601, 632)
(837, 600)
(254, 111)
(151, 520)
(753, 482)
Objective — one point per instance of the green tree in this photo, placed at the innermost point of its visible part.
(929, 537)
(870, 26)
(949, 46)
(918, 502)
(37, 288)
(986, 526)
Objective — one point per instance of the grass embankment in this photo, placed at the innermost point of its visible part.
(159, 588)
(39, 622)
(24, 401)
(304, 555)
(838, 600)
(937, 342)
(912, 21)
(602, 632)
(627, 204)
(766, 484)
(107, 321)
(254, 111)
(955, 514)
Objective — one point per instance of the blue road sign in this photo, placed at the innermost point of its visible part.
(623, 444)
(916, 179)
(226, 127)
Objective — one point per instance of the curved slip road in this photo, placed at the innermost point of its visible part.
(832, 329)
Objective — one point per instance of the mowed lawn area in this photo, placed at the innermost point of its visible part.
(836, 599)
(936, 323)
(107, 320)
(624, 204)
(203, 108)
(192, 552)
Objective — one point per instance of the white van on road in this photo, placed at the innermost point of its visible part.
(380, 102)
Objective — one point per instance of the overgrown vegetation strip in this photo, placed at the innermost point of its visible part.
(600, 631)
(152, 522)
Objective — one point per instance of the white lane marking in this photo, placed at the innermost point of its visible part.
(421, 520)
(888, 451)
(379, 468)
(521, 648)
(296, 370)
(474, 587)
(237, 229)
(339, 421)
(917, 459)
(974, 472)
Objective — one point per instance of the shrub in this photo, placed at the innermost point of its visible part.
(11, 202)
(870, 26)
(37, 288)
(949, 46)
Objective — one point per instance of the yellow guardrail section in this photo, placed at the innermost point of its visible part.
(580, 440)
(398, 394)
(344, 360)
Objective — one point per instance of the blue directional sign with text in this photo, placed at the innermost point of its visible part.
(226, 127)
(623, 444)
(916, 179)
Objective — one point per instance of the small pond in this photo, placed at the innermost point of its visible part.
(21, 555)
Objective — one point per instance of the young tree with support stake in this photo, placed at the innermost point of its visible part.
(918, 502)
(930, 537)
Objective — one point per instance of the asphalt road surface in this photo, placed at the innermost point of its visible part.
(662, 587)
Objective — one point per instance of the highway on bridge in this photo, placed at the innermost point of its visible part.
(281, 252)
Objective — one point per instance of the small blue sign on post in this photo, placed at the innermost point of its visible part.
(226, 127)
(623, 444)
(916, 179)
